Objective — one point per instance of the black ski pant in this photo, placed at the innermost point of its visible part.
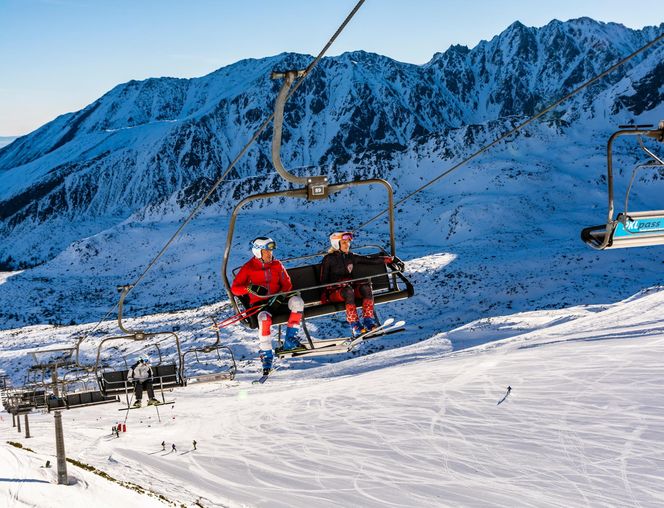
(141, 385)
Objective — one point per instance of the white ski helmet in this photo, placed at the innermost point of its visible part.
(262, 243)
(339, 235)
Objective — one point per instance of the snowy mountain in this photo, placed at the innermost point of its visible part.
(109, 184)
(5, 140)
(145, 143)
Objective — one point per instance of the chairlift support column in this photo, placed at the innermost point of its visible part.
(59, 434)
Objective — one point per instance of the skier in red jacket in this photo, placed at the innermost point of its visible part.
(263, 275)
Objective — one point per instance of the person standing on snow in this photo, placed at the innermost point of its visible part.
(141, 375)
(264, 275)
(337, 267)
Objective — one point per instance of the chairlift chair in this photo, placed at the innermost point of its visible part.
(209, 355)
(629, 229)
(389, 282)
(166, 372)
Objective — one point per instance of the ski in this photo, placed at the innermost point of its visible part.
(143, 407)
(264, 377)
(260, 380)
(344, 344)
(389, 326)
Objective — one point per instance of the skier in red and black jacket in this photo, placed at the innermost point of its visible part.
(264, 275)
(337, 266)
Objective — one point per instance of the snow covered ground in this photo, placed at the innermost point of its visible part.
(417, 425)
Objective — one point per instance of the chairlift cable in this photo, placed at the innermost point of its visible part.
(519, 127)
(242, 152)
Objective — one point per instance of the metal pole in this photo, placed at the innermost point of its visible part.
(54, 380)
(27, 426)
(13, 419)
(60, 449)
(59, 435)
(18, 423)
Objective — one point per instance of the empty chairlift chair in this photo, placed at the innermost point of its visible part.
(629, 229)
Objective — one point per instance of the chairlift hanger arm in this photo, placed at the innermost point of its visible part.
(657, 134)
(289, 78)
(124, 291)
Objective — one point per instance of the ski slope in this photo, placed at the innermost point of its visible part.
(417, 425)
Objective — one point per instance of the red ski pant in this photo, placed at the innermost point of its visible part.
(348, 294)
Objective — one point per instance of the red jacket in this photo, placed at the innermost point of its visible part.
(271, 275)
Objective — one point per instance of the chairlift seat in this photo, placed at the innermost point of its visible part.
(304, 278)
(88, 398)
(115, 382)
(640, 229)
(166, 376)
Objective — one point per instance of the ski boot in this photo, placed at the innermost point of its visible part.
(356, 329)
(153, 402)
(292, 340)
(137, 403)
(266, 360)
(370, 324)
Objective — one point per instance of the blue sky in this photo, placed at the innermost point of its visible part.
(59, 55)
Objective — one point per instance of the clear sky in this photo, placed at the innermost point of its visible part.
(57, 56)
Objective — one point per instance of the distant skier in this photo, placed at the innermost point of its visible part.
(337, 266)
(264, 275)
(163, 445)
(173, 449)
(194, 443)
(141, 375)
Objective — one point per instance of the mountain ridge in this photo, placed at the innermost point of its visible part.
(133, 165)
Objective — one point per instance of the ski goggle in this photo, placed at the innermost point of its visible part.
(265, 246)
(346, 236)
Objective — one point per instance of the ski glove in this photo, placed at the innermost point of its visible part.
(257, 290)
(397, 262)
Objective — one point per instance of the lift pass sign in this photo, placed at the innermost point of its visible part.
(645, 225)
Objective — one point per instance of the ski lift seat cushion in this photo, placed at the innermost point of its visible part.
(87, 398)
(165, 376)
(113, 381)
